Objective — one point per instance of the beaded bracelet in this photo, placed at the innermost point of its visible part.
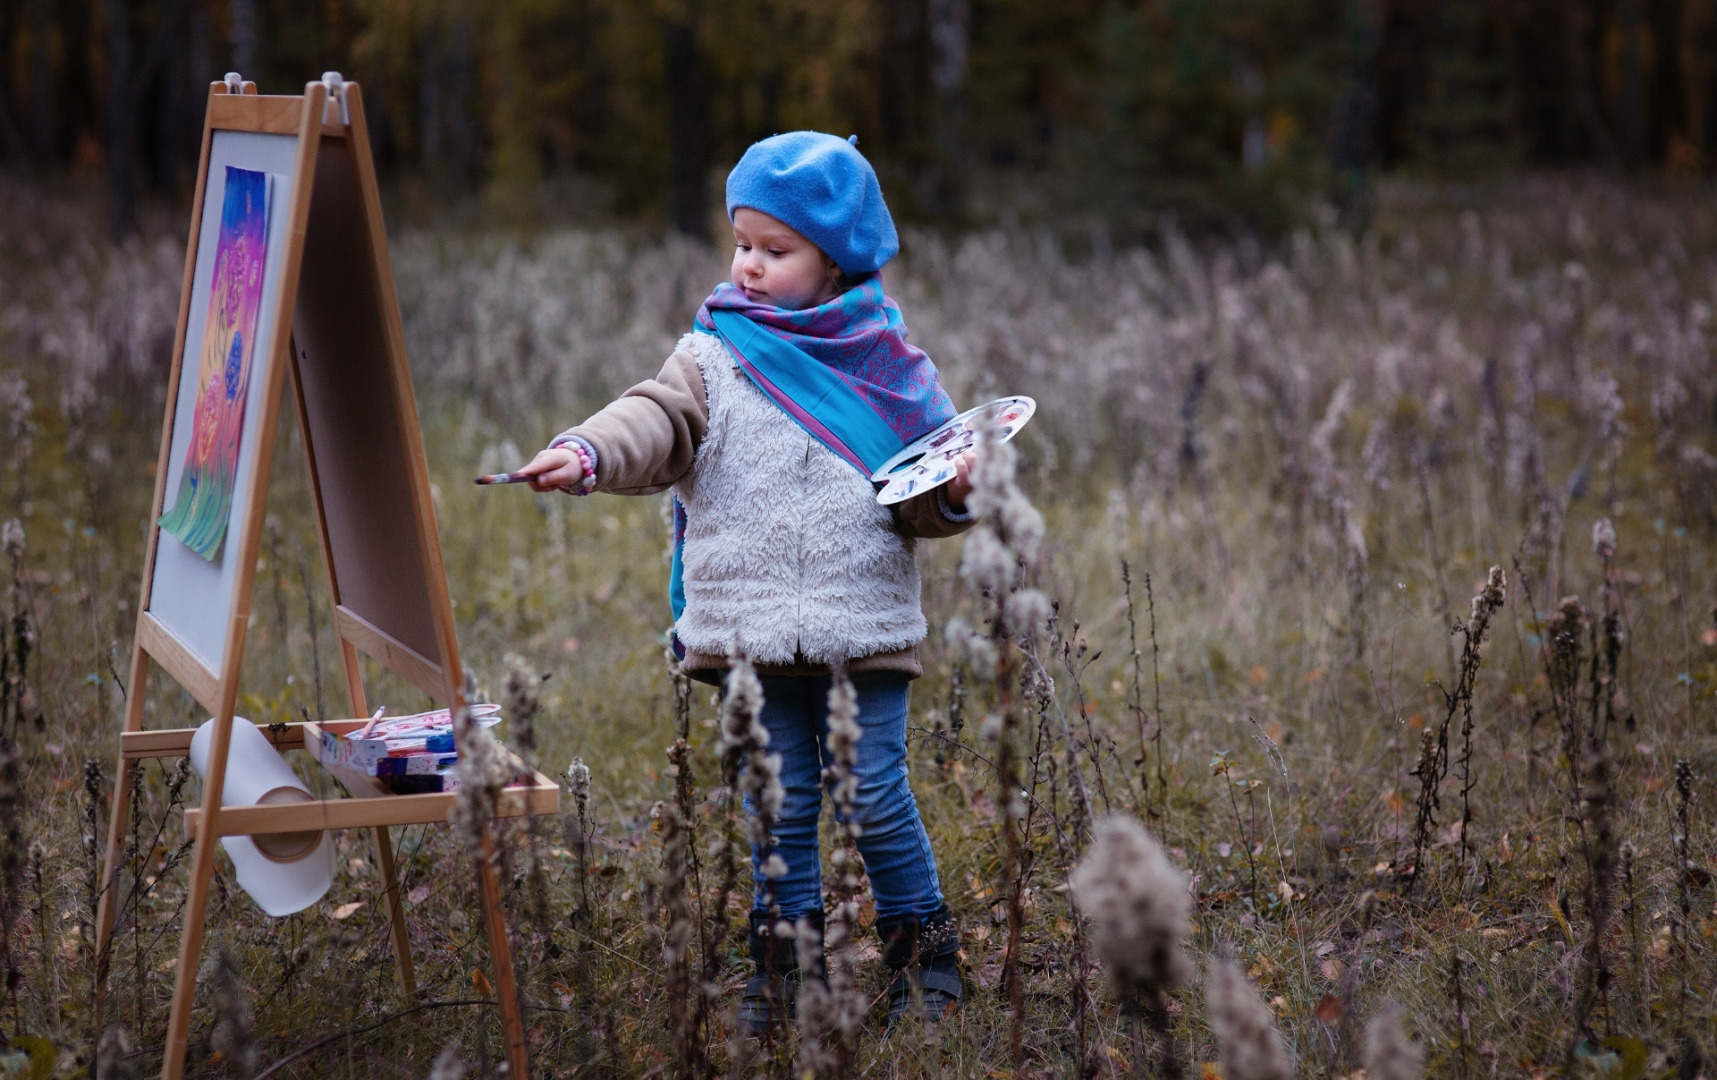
(587, 483)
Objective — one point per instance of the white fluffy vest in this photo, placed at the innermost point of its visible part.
(787, 552)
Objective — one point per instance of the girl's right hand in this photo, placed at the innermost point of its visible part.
(553, 469)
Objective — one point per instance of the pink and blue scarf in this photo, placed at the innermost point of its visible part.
(842, 370)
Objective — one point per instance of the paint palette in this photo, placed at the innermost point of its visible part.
(928, 461)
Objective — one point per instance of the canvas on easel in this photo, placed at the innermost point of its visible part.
(287, 271)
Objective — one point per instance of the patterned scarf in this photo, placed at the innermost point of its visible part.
(861, 337)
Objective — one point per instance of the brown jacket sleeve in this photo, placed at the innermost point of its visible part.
(923, 516)
(646, 440)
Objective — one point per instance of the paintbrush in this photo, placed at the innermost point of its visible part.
(364, 732)
(505, 478)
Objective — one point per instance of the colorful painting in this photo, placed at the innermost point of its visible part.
(205, 497)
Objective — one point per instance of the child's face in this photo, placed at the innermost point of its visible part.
(774, 265)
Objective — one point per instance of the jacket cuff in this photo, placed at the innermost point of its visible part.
(948, 512)
(567, 438)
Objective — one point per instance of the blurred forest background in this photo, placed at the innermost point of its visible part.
(1226, 113)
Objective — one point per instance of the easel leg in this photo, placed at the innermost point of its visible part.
(197, 899)
(501, 959)
(118, 820)
(190, 951)
(396, 912)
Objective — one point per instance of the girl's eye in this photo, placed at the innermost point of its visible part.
(777, 252)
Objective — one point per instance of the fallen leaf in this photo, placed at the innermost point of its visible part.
(418, 895)
(983, 805)
(480, 982)
(345, 910)
(1329, 1009)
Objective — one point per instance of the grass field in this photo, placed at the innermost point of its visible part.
(1307, 454)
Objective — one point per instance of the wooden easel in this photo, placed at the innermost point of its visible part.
(335, 325)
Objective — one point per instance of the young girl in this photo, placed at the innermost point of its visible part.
(766, 422)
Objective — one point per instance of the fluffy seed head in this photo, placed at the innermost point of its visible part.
(578, 782)
(1388, 1053)
(740, 707)
(447, 1066)
(1250, 1046)
(1137, 902)
(986, 562)
(844, 734)
(1026, 612)
(483, 772)
(114, 1058)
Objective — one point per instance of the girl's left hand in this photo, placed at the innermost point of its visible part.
(960, 488)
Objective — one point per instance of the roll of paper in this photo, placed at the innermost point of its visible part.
(282, 872)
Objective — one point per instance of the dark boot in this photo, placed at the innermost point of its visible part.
(769, 995)
(923, 952)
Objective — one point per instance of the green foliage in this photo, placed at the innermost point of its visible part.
(1235, 114)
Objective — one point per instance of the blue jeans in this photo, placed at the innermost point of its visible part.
(895, 847)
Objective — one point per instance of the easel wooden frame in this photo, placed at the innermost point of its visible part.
(328, 119)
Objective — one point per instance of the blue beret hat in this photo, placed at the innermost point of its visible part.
(823, 188)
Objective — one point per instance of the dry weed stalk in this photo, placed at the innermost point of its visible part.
(679, 885)
(1684, 872)
(448, 1065)
(674, 888)
(1598, 844)
(1251, 1048)
(521, 704)
(1434, 749)
(996, 560)
(1388, 1053)
(232, 1034)
(749, 770)
(1135, 697)
(18, 709)
(483, 772)
(1138, 905)
(578, 785)
(116, 1057)
(832, 1008)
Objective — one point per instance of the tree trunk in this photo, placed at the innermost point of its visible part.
(903, 62)
(40, 122)
(1632, 104)
(1404, 34)
(462, 140)
(688, 125)
(1581, 45)
(1671, 119)
(1355, 117)
(950, 39)
(120, 121)
(429, 97)
(243, 15)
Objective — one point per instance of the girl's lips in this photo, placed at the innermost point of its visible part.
(752, 294)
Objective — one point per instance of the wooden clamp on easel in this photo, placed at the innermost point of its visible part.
(322, 305)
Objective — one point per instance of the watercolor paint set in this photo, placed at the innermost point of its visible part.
(419, 745)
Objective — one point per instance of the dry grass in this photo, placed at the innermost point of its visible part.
(1316, 450)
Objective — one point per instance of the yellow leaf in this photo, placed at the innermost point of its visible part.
(345, 910)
